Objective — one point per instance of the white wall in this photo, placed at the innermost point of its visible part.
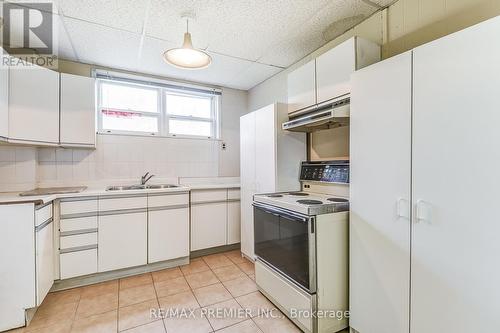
(17, 168)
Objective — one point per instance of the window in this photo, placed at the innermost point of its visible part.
(132, 108)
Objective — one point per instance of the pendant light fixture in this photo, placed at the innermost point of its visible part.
(187, 57)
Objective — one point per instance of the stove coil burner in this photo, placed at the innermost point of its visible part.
(337, 199)
(275, 196)
(299, 194)
(309, 202)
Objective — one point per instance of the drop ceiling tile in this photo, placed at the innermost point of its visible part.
(128, 15)
(103, 46)
(220, 72)
(253, 75)
(65, 51)
(244, 29)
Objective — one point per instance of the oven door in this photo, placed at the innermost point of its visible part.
(286, 241)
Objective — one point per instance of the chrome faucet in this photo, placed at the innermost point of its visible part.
(145, 178)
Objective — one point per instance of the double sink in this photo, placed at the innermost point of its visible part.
(140, 187)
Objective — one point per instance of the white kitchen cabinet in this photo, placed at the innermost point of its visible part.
(168, 227)
(78, 263)
(17, 269)
(77, 111)
(450, 282)
(380, 196)
(455, 246)
(33, 106)
(233, 222)
(270, 162)
(334, 67)
(301, 85)
(4, 100)
(208, 225)
(44, 259)
(122, 240)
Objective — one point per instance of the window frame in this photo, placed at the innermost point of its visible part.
(162, 115)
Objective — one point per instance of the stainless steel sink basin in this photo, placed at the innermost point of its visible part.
(157, 186)
(139, 187)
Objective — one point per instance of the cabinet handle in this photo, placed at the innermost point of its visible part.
(423, 211)
(400, 204)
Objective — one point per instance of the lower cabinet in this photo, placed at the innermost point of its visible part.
(168, 234)
(78, 263)
(44, 255)
(233, 222)
(122, 241)
(208, 225)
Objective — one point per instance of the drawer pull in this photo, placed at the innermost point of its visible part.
(78, 249)
(78, 232)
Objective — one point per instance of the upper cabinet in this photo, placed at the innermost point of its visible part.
(328, 76)
(302, 87)
(77, 111)
(33, 105)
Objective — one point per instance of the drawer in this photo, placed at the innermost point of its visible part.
(208, 195)
(287, 295)
(78, 263)
(168, 200)
(80, 223)
(78, 207)
(43, 214)
(68, 242)
(106, 204)
(233, 193)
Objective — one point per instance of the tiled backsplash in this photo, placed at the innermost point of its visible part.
(116, 158)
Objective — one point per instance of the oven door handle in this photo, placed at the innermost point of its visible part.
(281, 212)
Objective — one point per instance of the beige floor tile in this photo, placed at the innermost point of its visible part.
(97, 305)
(66, 314)
(166, 274)
(247, 326)
(217, 260)
(154, 327)
(62, 327)
(228, 272)
(101, 323)
(273, 325)
(248, 267)
(100, 289)
(16, 330)
(252, 276)
(181, 301)
(215, 293)
(63, 297)
(135, 281)
(137, 314)
(224, 314)
(188, 324)
(171, 287)
(52, 308)
(195, 266)
(240, 286)
(201, 279)
(256, 303)
(136, 295)
(235, 256)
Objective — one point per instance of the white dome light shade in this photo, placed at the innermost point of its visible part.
(187, 57)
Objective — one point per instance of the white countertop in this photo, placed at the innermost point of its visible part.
(15, 198)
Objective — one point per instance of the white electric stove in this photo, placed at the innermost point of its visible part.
(301, 245)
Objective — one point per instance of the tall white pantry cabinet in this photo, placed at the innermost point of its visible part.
(424, 188)
(270, 162)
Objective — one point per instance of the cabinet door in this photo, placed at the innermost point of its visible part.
(122, 241)
(247, 177)
(34, 105)
(302, 87)
(4, 100)
(380, 193)
(44, 261)
(77, 110)
(334, 69)
(455, 246)
(233, 222)
(168, 234)
(265, 149)
(208, 225)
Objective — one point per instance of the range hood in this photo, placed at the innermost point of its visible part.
(332, 115)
